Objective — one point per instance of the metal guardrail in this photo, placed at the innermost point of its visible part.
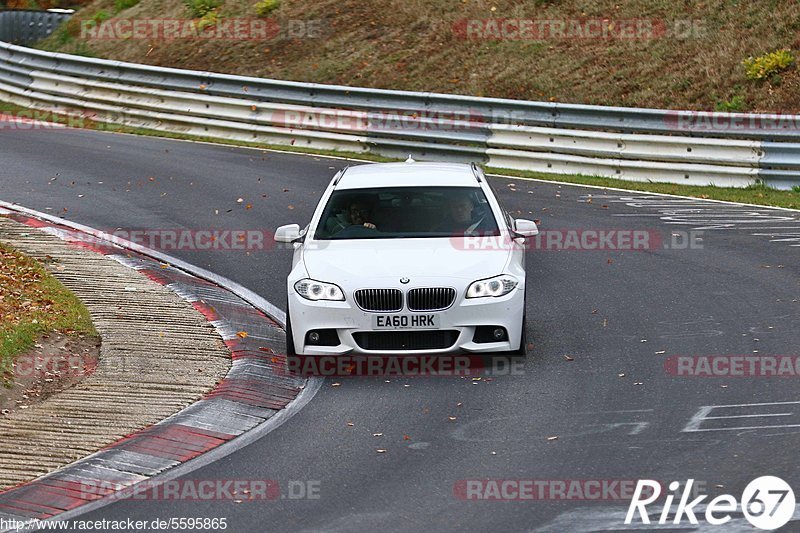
(25, 26)
(625, 143)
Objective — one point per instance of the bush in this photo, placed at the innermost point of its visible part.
(767, 65)
(265, 7)
(734, 105)
(208, 20)
(201, 8)
(101, 16)
(796, 188)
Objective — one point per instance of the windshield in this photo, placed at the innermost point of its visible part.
(398, 212)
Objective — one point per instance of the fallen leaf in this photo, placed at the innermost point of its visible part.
(451, 418)
(568, 358)
(350, 424)
(621, 375)
(242, 334)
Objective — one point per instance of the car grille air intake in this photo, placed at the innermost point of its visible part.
(405, 340)
(380, 300)
(431, 299)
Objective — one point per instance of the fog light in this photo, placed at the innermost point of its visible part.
(486, 334)
(322, 337)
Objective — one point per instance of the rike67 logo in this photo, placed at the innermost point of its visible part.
(767, 503)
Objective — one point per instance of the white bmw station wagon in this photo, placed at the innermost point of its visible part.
(407, 258)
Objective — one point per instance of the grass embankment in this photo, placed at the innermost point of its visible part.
(652, 53)
(33, 303)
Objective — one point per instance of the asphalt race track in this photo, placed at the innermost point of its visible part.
(618, 314)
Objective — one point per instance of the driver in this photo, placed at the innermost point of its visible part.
(460, 216)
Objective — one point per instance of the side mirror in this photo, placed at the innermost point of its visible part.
(525, 228)
(288, 233)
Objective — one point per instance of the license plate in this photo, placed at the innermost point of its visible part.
(405, 322)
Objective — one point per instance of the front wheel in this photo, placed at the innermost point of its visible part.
(522, 351)
(289, 337)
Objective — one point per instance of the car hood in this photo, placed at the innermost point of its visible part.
(355, 260)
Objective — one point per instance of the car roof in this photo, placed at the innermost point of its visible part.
(408, 175)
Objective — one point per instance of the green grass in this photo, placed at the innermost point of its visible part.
(758, 194)
(265, 7)
(33, 303)
(122, 5)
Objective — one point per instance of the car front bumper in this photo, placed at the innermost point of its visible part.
(462, 317)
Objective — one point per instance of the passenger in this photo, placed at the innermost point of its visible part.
(358, 213)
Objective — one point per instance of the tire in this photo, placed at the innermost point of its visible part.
(290, 350)
(522, 351)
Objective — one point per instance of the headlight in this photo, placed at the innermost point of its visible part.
(497, 286)
(318, 290)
